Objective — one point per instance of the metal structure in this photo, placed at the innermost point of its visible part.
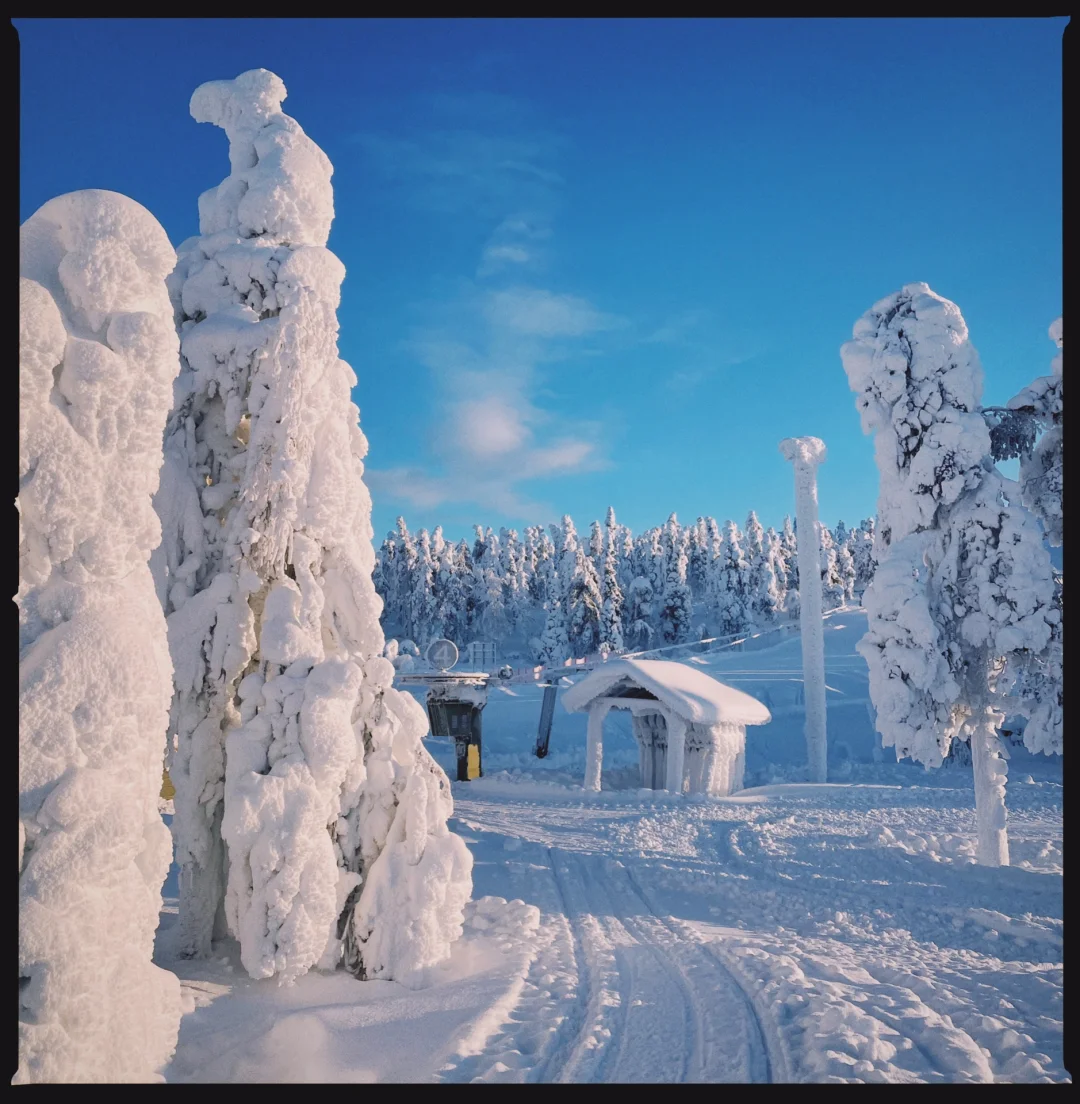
(481, 655)
(455, 701)
(547, 712)
(442, 654)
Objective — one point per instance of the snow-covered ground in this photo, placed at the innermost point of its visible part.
(791, 932)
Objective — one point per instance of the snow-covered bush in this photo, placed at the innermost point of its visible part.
(97, 357)
(267, 574)
(963, 585)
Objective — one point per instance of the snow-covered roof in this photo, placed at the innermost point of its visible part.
(689, 693)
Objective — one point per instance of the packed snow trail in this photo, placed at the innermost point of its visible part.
(651, 1004)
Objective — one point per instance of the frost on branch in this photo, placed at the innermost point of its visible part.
(292, 745)
(97, 357)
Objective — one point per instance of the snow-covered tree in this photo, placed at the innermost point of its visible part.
(832, 585)
(731, 594)
(1041, 467)
(776, 574)
(639, 614)
(334, 813)
(862, 554)
(845, 567)
(584, 604)
(97, 357)
(963, 586)
(675, 603)
(698, 557)
(611, 611)
(423, 623)
(762, 586)
(789, 548)
(555, 641)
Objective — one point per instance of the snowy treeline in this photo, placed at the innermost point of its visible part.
(965, 612)
(97, 356)
(551, 593)
(310, 820)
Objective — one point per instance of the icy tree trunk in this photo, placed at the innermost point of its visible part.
(991, 770)
(594, 750)
(97, 358)
(807, 453)
(676, 752)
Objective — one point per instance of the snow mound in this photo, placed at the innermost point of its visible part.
(513, 923)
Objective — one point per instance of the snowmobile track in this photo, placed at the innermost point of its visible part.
(649, 997)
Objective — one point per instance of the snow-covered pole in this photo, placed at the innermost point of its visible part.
(806, 453)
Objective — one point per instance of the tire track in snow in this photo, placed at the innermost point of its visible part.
(762, 1064)
(588, 1052)
(683, 1017)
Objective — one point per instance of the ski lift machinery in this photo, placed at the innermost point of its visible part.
(455, 702)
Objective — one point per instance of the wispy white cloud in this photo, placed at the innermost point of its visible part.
(541, 313)
(488, 344)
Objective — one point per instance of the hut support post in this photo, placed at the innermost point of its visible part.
(676, 748)
(594, 751)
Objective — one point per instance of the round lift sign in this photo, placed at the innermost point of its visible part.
(442, 654)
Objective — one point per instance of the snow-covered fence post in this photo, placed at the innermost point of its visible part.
(806, 453)
(97, 357)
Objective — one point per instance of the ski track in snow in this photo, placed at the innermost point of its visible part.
(650, 1002)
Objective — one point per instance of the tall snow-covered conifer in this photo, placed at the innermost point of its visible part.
(97, 357)
(963, 582)
(285, 717)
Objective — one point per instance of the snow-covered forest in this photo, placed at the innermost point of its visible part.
(550, 594)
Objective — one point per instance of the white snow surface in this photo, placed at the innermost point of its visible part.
(97, 356)
(794, 932)
(687, 692)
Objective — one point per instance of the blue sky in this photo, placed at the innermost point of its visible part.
(598, 263)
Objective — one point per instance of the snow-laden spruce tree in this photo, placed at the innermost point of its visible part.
(611, 610)
(845, 567)
(555, 641)
(963, 584)
(675, 601)
(862, 555)
(1041, 468)
(584, 605)
(763, 594)
(730, 594)
(97, 357)
(291, 742)
(832, 584)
